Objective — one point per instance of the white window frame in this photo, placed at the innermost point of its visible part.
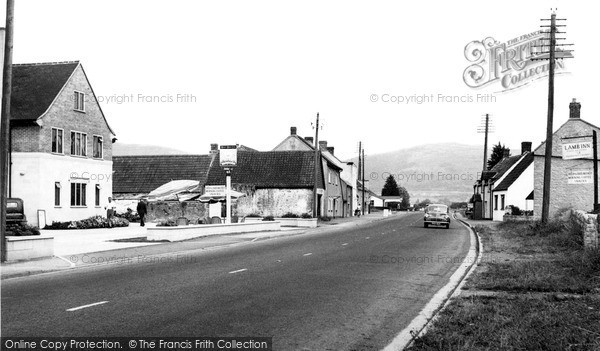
(94, 136)
(71, 139)
(97, 195)
(57, 187)
(82, 194)
(79, 101)
(62, 143)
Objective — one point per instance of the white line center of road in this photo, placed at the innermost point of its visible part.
(238, 271)
(344, 244)
(368, 238)
(86, 306)
(307, 254)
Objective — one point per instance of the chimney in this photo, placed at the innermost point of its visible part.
(506, 153)
(214, 149)
(574, 109)
(525, 147)
(331, 149)
(293, 130)
(309, 140)
(323, 144)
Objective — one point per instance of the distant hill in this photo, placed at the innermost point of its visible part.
(120, 149)
(442, 172)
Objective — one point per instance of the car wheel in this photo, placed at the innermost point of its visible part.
(425, 225)
(448, 226)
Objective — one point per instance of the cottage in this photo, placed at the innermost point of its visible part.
(61, 144)
(274, 182)
(572, 184)
(514, 188)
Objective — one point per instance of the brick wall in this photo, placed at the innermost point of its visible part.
(588, 226)
(62, 115)
(25, 138)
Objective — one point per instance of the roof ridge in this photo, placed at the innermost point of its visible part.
(46, 63)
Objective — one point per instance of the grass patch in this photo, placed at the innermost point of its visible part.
(483, 323)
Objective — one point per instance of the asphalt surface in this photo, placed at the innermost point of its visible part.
(347, 289)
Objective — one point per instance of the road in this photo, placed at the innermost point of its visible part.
(347, 289)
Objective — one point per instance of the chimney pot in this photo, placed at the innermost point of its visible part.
(323, 144)
(309, 139)
(525, 147)
(214, 148)
(331, 149)
(293, 130)
(506, 153)
(574, 109)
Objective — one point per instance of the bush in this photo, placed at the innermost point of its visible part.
(253, 215)
(129, 215)
(290, 215)
(167, 223)
(22, 229)
(268, 219)
(325, 219)
(90, 223)
(515, 211)
(306, 216)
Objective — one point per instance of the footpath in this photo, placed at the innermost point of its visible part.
(76, 248)
(535, 288)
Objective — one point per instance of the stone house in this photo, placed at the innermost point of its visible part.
(61, 144)
(331, 202)
(274, 182)
(565, 190)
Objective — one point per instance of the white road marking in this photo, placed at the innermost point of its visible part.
(86, 306)
(367, 238)
(344, 244)
(68, 261)
(238, 271)
(253, 240)
(307, 254)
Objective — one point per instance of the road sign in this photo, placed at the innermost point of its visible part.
(228, 155)
(215, 190)
(573, 151)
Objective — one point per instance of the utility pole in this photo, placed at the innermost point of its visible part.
(360, 181)
(485, 129)
(363, 182)
(595, 146)
(550, 119)
(5, 121)
(317, 164)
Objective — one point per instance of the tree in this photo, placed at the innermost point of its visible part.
(390, 188)
(497, 155)
(405, 204)
(422, 204)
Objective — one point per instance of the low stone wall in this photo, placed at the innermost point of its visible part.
(514, 218)
(20, 248)
(288, 222)
(588, 226)
(180, 233)
(171, 210)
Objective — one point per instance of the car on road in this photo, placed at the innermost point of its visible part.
(436, 215)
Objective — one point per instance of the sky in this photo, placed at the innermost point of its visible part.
(185, 74)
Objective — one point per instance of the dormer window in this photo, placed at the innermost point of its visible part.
(79, 99)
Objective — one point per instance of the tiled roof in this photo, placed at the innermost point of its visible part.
(142, 174)
(34, 87)
(503, 166)
(270, 169)
(515, 173)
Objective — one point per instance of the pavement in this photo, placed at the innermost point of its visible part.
(72, 246)
(337, 287)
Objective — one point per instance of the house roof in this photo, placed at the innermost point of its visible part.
(142, 174)
(270, 169)
(503, 166)
(35, 86)
(530, 196)
(572, 127)
(331, 159)
(515, 173)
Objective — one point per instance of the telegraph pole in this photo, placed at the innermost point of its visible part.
(550, 119)
(485, 128)
(360, 181)
(317, 164)
(363, 181)
(5, 121)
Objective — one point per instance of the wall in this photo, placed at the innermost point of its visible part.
(588, 226)
(273, 202)
(171, 210)
(350, 176)
(517, 192)
(34, 176)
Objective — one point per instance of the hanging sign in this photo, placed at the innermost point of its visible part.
(228, 155)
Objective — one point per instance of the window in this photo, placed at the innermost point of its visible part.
(78, 144)
(495, 202)
(329, 177)
(57, 194)
(501, 202)
(57, 140)
(97, 195)
(97, 147)
(78, 194)
(79, 99)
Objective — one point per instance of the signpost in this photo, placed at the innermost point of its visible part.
(228, 158)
